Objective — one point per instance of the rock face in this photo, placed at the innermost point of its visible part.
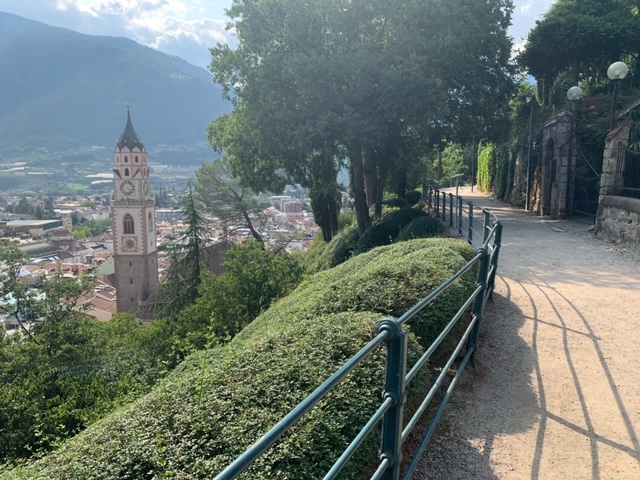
(619, 221)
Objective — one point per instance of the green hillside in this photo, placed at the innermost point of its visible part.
(219, 401)
(61, 90)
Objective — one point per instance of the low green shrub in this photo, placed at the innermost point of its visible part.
(413, 197)
(346, 219)
(387, 280)
(315, 258)
(342, 246)
(421, 227)
(388, 228)
(220, 401)
(396, 202)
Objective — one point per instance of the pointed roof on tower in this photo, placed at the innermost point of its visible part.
(129, 137)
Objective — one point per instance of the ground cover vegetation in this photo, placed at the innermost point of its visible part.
(218, 401)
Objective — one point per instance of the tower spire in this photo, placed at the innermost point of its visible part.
(129, 138)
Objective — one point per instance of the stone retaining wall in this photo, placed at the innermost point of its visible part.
(619, 221)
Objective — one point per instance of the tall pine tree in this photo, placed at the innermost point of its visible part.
(188, 260)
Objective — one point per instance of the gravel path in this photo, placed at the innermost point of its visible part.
(557, 391)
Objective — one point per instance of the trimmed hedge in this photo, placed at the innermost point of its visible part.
(396, 202)
(413, 197)
(387, 280)
(421, 227)
(219, 401)
(388, 228)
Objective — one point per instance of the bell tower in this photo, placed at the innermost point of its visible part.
(133, 221)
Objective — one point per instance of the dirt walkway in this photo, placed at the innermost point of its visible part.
(557, 390)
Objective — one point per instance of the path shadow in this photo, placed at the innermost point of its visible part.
(498, 389)
(563, 308)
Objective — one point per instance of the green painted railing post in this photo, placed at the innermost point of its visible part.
(478, 303)
(452, 207)
(444, 206)
(487, 224)
(470, 233)
(444, 203)
(459, 215)
(395, 388)
(497, 242)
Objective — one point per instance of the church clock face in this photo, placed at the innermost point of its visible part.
(129, 244)
(127, 187)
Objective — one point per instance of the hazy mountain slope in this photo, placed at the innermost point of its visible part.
(63, 90)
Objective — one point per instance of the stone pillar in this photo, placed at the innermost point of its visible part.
(564, 140)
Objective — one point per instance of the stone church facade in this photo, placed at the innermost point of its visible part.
(133, 222)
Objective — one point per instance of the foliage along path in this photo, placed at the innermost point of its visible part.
(556, 393)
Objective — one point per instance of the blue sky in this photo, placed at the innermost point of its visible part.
(185, 28)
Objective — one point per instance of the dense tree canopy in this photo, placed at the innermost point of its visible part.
(355, 80)
(581, 38)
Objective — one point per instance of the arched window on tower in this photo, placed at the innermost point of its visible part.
(126, 159)
(136, 159)
(150, 222)
(128, 225)
(126, 172)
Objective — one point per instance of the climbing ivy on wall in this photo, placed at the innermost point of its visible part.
(503, 171)
(486, 166)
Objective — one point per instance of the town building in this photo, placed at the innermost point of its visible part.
(169, 215)
(133, 221)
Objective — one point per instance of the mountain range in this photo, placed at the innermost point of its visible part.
(63, 92)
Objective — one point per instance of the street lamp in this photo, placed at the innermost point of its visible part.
(574, 94)
(616, 72)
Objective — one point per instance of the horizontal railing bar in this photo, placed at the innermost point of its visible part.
(436, 386)
(436, 343)
(355, 444)
(433, 295)
(381, 469)
(476, 232)
(252, 453)
(436, 420)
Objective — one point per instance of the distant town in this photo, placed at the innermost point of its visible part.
(55, 245)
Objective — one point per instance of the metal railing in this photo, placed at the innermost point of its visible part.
(486, 232)
(627, 179)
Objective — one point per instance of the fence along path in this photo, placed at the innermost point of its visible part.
(556, 392)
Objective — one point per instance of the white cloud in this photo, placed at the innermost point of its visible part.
(191, 39)
(525, 9)
(161, 24)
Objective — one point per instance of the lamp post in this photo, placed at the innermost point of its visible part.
(532, 105)
(616, 72)
(574, 94)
